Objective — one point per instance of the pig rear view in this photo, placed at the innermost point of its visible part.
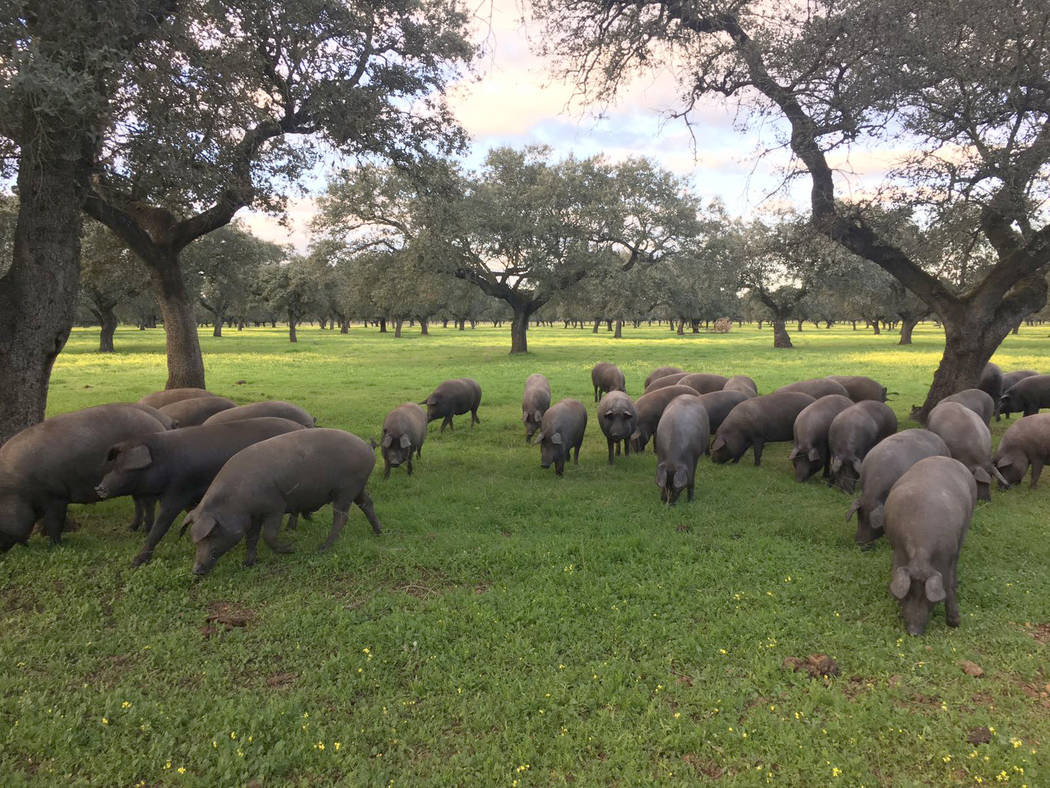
(681, 437)
(928, 512)
(296, 472)
(534, 403)
(561, 432)
(968, 440)
(606, 377)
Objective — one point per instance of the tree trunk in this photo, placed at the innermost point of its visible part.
(875, 327)
(398, 323)
(109, 327)
(780, 334)
(344, 326)
(382, 325)
(800, 321)
(760, 325)
(907, 325)
(185, 364)
(519, 328)
(217, 331)
(38, 292)
(461, 324)
(424, 327)
(681, 328)
(597, 324)
(618, 333)
(854, 323)
(292, 337)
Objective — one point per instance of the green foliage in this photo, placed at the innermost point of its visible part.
(511, 626)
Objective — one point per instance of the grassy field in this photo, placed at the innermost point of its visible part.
(510, 628)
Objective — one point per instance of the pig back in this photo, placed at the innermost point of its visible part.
(276, 408)
(891, 457)
(770, 417)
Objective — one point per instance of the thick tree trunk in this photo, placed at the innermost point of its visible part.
(292, 337)
(397, 328)
(907, 326)
(109, 326)
(800, 321)
(875, 327)
(424, 327)
(681, 328)
(780, 334)
(38, 292)
(618, 333)
(461, 324)
(854, 323)
(759, 325)
(185, 365)
(344, 326)
(519, 328)
(382, 325)
(597, 324)
(217, 331)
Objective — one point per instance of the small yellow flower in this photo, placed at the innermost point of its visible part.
(721, 651)
(214, 744)
(835, 771)
(167, 765)
(125, 705)
(677, 714)
(105, 721)
(946, 758)
(181, 770)
(337, 744)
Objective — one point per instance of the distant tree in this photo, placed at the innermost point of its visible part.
(110, 276)
(290, 290)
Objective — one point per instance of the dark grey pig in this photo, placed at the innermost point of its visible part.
(617, 418)
(852, 435)
(756, 422)
(159, 399)
(561, 431)
(534, 403)
(718, 404)
(681, 437)
(175, 468)
(50, 465)
(197, 410)
(297, 472)
(606, 377)
(816, 387)
(664, 381)
(660, 372)
(276, 408)
(1025, 443)
(861, 388)
(741, 383)
(454, 398)
(1027, 395)
(980, 402)
(168, 422)
(969, 441)
(991, 382)
(884, 464)
(809, 452)
(704, 382)
(650, 407)
(1009, 379)
(928, 512)
(404, 430)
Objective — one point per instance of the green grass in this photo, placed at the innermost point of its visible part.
(512, 628)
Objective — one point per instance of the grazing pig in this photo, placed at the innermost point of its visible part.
(168, 422)
(1009, 379)
(968, 440)
(50, 465)
(1027, 395)
(297, 472)
(617, 418)
(809, 452)
(534, 403)
(928, 512)
(650, 406)
(660, 372)
(815, 387)
(278, 409)
(681, 437)
(883, 465)
(852, 435)
(664, 381)
(454, 398)
(1025, 443)
(860, 388)
(976, 400)
(159, 399)
(741, 383)
(404, 430)
(718, 404)
(561, 431)
(991, 381)
(704, 382)
(175, 468)
(197, 410)
(756, 422)
(606, 377)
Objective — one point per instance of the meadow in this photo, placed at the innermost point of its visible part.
(511, 628)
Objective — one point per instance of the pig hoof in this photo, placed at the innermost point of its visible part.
(141, 558)
(248, 562)
(953, 621)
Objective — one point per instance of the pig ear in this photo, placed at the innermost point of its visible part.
(387, 440)
(556, 438)
(538, 439)
(661, 476)
(852, 510)
(137, 457)
(836, 464)
(999, 476)
(200, 525)
(900, 582)
(525, 417)
(537, 416)
(794, 453)
(718, 444)
(813, 455)
(935, 587)
(405, 441)
(981, 475)
(877, 518)
(681, 478)
(1003, 462)
(856, 465)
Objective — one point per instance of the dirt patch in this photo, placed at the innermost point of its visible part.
(980, 735)
(111, 671)
(971, 668)
(1038, 693)
(856, 686)
(224, 616)
(279, 680)
(425, 586)
(1041, 632)
(683, 529)
(14, 599)
(816, 665)
(704, 766)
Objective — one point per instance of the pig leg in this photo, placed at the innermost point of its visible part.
(759, 445)
(251, 545)
(1037, 468)
(364, 503)
(951, 600)
(169, 510)
(54, 520)
(408, 463)
(559, 466)
(447, 423)
(626, 448)
(474, 418)
(610, 442)
(143, 513)
(576, 453)
(386, 468)
(339, 517)
(595, 393)
(293, 522)
(270, 526)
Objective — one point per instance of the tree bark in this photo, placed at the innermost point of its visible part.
(907, 326)
(109, 322)
(597, 324)
(344, 326)
(185, 364)
(519, 328)
(424, 327)
(800, 321)
(780, 334)
(618, 333)
(38, 292)
(398, 323)
(382, 325)
(875, 328)
(217, 331)
(291, 328)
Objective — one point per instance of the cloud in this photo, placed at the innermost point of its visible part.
(294, 230)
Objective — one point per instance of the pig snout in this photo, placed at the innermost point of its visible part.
(102, 491)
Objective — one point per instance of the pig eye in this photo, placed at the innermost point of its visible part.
(112, 454)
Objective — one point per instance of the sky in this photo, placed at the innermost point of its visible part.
(515, 101)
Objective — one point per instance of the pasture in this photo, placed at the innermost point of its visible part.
(511, 628)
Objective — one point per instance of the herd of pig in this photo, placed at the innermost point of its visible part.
(919, 486)
(237, 470)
